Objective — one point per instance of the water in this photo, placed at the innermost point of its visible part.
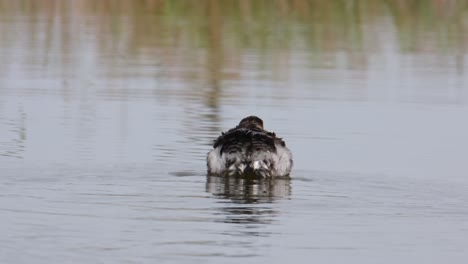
(107, 111)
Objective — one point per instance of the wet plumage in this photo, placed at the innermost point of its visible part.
(248, 149)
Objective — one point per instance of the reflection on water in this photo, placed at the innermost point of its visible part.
(101, 101)
(248, 191)
(248, 202)
(246, 195)
(14, 131)
(75, 69)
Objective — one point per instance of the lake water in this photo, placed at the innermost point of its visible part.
(108, 108)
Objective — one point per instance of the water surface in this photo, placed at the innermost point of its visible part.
(108, 108)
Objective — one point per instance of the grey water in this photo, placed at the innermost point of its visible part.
(108, 109)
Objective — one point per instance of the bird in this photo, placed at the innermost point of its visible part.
(249, 150)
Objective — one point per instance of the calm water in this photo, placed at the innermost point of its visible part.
(108, 108)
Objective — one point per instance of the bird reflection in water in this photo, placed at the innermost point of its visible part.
(248, 201)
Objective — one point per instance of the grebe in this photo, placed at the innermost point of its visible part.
(248, 149)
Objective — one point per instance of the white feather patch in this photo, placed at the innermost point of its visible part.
(282, 161)
(216, 164)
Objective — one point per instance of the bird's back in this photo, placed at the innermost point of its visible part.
(246, 141)
(248, 149)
